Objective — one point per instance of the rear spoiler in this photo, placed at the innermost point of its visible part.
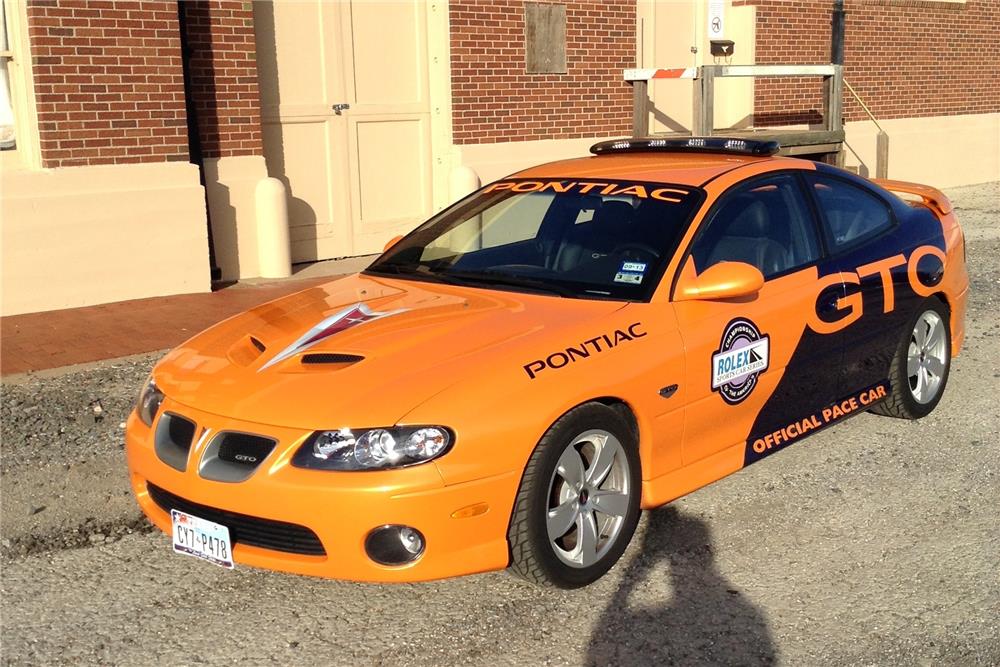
(931, 197)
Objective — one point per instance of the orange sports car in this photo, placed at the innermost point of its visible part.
(512, 382)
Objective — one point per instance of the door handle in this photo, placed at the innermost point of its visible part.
(340, 108)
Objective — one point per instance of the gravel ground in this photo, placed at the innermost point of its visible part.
(874, 542)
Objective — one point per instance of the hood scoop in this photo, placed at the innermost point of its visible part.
(246, 350)
(329, 358)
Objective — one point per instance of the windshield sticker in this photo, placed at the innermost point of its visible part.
(672, 195)
(629, 277)
(349, 317)
(742, 356)
(594, 346)
(631, 273)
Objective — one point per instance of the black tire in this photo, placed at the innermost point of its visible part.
(902, 401)
(533, 555)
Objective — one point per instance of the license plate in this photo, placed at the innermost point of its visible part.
(201, 538)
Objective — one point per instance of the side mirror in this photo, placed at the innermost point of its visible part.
(725, 280)
(391, 242)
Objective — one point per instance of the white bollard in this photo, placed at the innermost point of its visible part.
(464, 181)
(274, 253)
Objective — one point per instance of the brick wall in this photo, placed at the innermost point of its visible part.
(108, 81)
(494, 99)
(905, 58)
(223, 70)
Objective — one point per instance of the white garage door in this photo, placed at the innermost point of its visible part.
(358, 177)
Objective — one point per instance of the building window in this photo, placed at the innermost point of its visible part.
(19, 147)
(545, 38)
(7, 138)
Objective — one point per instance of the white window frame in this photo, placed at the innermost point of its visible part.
(22, 91)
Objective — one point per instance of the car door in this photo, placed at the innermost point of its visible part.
(866, 248)
(754, 367)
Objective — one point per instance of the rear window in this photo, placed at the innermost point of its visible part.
(852, 214)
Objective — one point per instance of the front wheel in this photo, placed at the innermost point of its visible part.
(920, 368)
(578, 504)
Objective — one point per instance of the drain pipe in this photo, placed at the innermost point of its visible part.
(194, 138)
(837, 33)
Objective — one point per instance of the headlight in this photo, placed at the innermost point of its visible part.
(150, 399)
(372, 449)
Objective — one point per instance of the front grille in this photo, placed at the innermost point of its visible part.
(233, 456)
(244, 448)
(172, 440)
(265, 533)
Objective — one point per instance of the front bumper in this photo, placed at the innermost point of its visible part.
(341, 508)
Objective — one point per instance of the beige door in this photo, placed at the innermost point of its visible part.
(358, 177)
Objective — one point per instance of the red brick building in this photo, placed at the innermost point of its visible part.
(135, 132)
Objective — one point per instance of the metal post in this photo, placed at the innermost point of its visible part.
(882, 155)
(640, 109)
(704, 102)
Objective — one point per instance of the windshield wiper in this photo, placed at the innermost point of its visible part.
(487, 277)
(415, 270)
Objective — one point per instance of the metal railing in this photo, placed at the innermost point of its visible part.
(881, 139)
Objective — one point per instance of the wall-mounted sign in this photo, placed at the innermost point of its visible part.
(716, 19)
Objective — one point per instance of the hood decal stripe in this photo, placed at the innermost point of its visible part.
(349, 317)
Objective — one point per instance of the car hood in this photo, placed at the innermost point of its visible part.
(361, 351)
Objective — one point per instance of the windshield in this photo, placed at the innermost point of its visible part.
(571, 238)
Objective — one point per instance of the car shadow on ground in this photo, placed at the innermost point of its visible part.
(702, 619)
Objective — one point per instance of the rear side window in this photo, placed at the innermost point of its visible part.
(852, 213)
(766, 224)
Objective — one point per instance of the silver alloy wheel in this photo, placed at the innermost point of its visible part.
(588, 498)
(926, 357)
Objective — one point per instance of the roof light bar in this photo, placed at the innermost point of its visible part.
(687, 145)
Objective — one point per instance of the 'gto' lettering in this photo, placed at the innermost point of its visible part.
(852, 305)
(594, 345)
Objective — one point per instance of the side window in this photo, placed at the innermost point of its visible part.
(766, 224)
(851, 213)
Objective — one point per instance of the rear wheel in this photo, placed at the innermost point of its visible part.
(578, 504)
(920, 368)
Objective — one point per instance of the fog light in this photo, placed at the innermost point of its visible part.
(394, 545)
